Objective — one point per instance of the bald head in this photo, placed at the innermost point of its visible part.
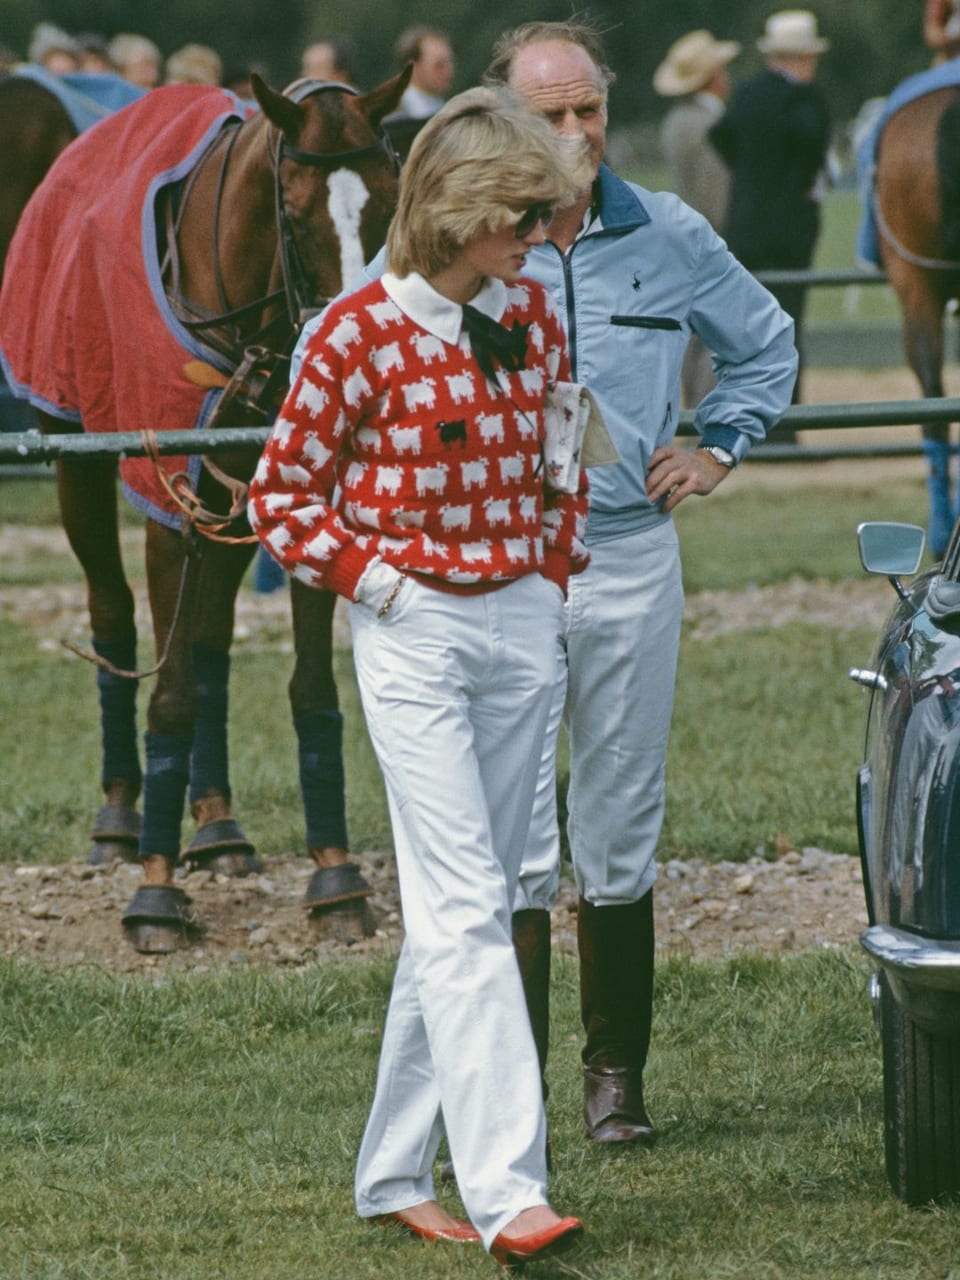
(561, 81)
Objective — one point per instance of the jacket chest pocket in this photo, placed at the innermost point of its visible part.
(646, 322)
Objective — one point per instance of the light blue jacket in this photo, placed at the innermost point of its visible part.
(647, 273)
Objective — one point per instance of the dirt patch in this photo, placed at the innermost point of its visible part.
(69, 914)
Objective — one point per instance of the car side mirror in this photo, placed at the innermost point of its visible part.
(889, 548)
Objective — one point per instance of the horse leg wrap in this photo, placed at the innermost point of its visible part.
(209, 760)
(320, 738)
(164, 789)
(118, 712)
(939, 492)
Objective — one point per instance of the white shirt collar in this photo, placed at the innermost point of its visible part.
(418, 299)
(591, 222)
(716, 106)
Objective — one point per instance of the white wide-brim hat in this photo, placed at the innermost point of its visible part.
(792, 31)
(691, 61)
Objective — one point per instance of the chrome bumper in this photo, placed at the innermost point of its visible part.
(923, 974)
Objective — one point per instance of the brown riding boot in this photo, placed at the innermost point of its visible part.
(531, 942)
(616, 1005)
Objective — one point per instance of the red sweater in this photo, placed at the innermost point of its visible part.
(393, 444)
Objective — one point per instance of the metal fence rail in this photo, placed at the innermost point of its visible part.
(33, 447)
(838, 277)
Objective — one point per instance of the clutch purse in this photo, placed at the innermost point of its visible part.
(575, 436)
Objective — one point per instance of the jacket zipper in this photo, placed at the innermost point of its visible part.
(568, 298)
(571, 311)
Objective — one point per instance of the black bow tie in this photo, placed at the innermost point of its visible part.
(492, 341)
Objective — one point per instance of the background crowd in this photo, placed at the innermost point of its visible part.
(715, 137)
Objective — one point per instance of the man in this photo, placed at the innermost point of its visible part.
(695, 73)
(429, 51)
(330, 59)
(774, 138)
(634, 273)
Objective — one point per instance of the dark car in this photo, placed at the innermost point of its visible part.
(908, 808)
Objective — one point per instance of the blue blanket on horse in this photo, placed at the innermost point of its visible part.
(86, 333)
(945, 76)
(86, 98)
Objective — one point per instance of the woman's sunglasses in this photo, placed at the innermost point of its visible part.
(542, 213)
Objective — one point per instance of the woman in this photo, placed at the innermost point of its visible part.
(406, 473)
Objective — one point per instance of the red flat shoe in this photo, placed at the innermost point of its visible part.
(514, 1251)
(462, 1233)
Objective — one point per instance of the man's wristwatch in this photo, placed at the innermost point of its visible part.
(721, 455)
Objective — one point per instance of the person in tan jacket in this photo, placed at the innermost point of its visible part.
(694, 72)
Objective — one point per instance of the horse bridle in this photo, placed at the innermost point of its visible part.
(300, 302)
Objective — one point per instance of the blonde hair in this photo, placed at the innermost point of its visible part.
(127, 49)
(473, 168)
(194, 64)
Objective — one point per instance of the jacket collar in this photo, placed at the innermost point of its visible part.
(621, 209)
(419, 300)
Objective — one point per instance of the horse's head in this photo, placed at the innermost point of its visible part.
(336, 174)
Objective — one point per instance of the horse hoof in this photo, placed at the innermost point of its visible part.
(236, 865)
(336, 899)
(331, 885)
(159, 920)
(345, 922)
(116, 836)
(221, 848)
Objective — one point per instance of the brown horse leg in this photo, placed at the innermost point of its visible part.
(87, 493)
(337, 893)
(159, 918)
(219, 844)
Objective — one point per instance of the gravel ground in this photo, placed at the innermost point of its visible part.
(70, 914)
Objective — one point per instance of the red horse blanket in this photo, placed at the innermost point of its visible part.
(86, 332)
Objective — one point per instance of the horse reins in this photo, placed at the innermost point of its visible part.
(300, 304)
(296, 292)
(216, 329)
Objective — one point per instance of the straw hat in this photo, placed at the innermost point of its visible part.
(691, 61)
(792, 31)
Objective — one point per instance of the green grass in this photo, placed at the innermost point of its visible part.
(767, 732)
(207, 1126)
(746, 536)
(766, 739)
(873, 304)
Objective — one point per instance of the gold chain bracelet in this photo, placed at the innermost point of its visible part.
(391, 596)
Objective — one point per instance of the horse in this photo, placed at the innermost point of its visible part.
(917, 213)
(263, 220)
(36, 128)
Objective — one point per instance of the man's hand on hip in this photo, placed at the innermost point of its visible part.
(675, 474)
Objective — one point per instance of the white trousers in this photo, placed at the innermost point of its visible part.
(456, 691)
(622, 635)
